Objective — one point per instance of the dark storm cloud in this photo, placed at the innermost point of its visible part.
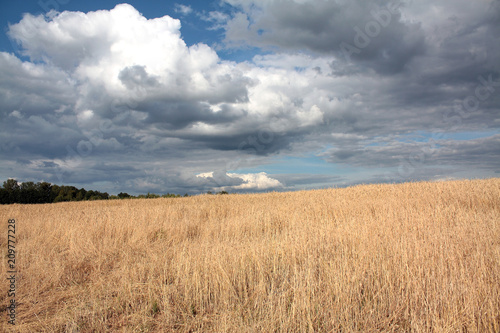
(251, 141)
(178, 115)
(369, 32)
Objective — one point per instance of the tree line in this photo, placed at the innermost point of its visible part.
(42, 192)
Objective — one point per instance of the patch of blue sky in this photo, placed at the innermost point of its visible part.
(239, 55)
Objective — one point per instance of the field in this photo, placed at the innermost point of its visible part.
(413, 257)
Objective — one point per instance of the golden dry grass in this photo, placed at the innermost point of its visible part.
(419, 257)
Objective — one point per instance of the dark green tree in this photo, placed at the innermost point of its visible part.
(31, 193)
(13, 190)
(4, 196)
(54, 192)
(28, 193)
(44, 190)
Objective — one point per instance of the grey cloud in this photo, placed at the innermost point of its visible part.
(35, 135)
(249, 142)
(178, 115)
(32, 89)
(477, 153)
(136, 76)
(305, 181)
(93, 170)
(326, 27)
(22, 161)
(49, 164)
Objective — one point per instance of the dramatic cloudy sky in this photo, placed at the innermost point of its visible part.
(248, 95)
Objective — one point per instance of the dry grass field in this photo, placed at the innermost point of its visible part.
(414, 257)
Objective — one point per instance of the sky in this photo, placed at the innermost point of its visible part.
(248, 95)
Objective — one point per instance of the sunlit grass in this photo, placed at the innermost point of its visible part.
(422, 257)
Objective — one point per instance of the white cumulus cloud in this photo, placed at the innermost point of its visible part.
(256, 181)
(250, 181)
